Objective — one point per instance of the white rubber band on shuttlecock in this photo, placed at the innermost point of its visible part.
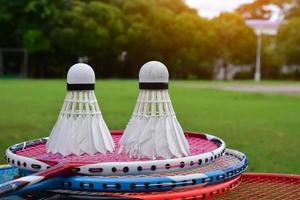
(153, 101)
(80, 113)
(154, 116)
(82, 101)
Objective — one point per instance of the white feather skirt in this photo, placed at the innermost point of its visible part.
(153, 130)
(80, 127)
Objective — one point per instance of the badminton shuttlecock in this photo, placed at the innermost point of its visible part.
(80, 127)
(153, 130)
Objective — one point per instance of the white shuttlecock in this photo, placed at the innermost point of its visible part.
(80, 127)
(153, 130)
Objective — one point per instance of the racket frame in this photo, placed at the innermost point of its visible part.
(198, 192)
(145, 183)
(120, 168)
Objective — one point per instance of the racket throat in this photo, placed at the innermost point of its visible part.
(58, 170)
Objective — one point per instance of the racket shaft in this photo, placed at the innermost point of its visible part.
(18, 184)
(23, 182)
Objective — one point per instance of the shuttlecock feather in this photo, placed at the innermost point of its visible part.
(153, 130)
(80, 127)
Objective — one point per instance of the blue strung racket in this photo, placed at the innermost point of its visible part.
(196, 192)
(8, 173)
(232, 164)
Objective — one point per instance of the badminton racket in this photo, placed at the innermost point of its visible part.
(198, 192)
(266, 186)
(232, 164)
(32, 155)
(8, 173)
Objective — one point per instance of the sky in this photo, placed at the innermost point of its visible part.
(212, 8)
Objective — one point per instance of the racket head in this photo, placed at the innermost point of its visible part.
(266, 186)
(32, 155)
(232, 164)
(197, 192)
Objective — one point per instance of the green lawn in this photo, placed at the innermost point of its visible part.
(264, 126)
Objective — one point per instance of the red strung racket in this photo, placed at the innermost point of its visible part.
(258, 186)
(266, 186)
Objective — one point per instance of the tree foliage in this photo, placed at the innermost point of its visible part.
(93, 29)
(234, 37)
(284, 48)
(119, 36)
(261, 9)
(289, 41)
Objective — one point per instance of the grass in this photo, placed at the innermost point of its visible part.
(265, 127)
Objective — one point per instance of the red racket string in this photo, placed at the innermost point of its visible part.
(266, 186)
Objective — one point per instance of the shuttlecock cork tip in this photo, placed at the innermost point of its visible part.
(154, 72)
(80, 77)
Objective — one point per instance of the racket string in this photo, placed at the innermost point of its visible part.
(198, 146)
(266, 188)
(7, 174)
(194, 192)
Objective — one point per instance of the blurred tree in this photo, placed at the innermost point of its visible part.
(271, 59)
(28, 24)
(93, 29)
(195, 46)
(284, 48)
(35, 41)
(118, 36)
(294, 10)
(261, 9)
(236, 43)
(289, 41)
(168, 31)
